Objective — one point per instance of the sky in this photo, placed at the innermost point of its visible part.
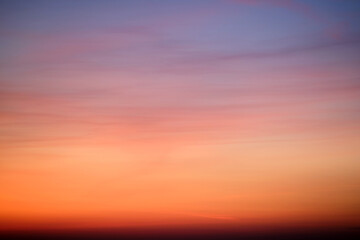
(225, 113)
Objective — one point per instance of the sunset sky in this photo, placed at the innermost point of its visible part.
(137, 113)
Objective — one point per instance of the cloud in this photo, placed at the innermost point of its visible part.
(292, 5)
(60, 47)
(350, 41)
(333, 30)
(210, 216)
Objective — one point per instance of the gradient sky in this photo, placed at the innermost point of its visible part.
(133, 113)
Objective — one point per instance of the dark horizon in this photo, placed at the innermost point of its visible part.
(188, 233)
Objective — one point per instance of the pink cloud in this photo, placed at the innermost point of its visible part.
(68, 46)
